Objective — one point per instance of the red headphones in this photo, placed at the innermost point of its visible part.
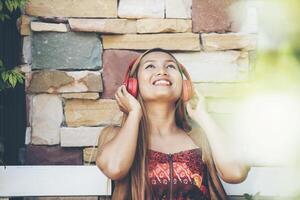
(131, 83)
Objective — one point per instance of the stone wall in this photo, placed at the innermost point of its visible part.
(75, 54)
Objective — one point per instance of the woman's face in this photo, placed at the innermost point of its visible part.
(159, 77)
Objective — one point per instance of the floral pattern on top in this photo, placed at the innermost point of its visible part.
(188, 180)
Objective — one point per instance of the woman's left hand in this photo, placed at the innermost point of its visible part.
(196, 105)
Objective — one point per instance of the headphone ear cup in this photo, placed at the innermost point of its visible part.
(132, 86)
(187, 90)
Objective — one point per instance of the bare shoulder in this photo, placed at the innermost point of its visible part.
(183, 141)
(189, 140)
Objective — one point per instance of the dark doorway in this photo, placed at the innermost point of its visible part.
(12, 100)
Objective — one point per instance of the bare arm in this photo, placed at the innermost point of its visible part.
(230, 166)
(116, 156)
(116, 151)
(229, 163)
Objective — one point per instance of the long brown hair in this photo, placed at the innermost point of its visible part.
(135, 184)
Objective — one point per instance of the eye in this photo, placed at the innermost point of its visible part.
(172, 66)
(151, 66)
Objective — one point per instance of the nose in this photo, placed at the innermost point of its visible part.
(162, 71)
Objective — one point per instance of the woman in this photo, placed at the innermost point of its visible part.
(168, 147)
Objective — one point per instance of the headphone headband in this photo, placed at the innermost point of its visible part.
(185, 72)
(129, 70)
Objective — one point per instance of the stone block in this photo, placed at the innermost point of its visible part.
(179, 9)
(223, 89)
(244, 15)
(164, 25)
(79, 137)
(184, 41)
(24, 22)
(228, 41)
(92, 112)
(103, 25)
(115, 63)
(141, 9)
(80, 95)
(219, 66)
(26, 57)
(49, 27)
(211, 16)
(89, 154)
(47, 116)
(53, 155)
(70, 50)
(72, 8)
(55, 81)
(29, 106)
(27, 136)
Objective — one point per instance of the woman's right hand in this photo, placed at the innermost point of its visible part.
(126, 102)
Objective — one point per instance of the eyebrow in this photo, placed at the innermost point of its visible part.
(155, 60)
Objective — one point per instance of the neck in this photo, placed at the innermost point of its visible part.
(161, 118)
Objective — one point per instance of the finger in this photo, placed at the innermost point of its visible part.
(117, 97)
(120, 92)
(119, 101)
(124, 90)
(120, 108)
(123, 110)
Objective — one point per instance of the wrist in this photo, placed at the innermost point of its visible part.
(136, 112)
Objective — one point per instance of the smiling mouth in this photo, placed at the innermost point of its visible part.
(162, 83)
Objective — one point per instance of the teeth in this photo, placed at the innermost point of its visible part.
(162, 82)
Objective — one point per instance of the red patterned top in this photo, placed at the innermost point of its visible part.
(178, 176)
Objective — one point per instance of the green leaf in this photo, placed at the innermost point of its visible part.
(248, 196)
(14, 4)
(14, 83)
(19, 76)
(20, 79)
(23, 2)
(22, 75)
(4, 16)
(10, 79)
(8, 5)
(5, 75)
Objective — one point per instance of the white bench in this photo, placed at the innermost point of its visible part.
(21, 181)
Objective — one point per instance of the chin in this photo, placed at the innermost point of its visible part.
(162, 98)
